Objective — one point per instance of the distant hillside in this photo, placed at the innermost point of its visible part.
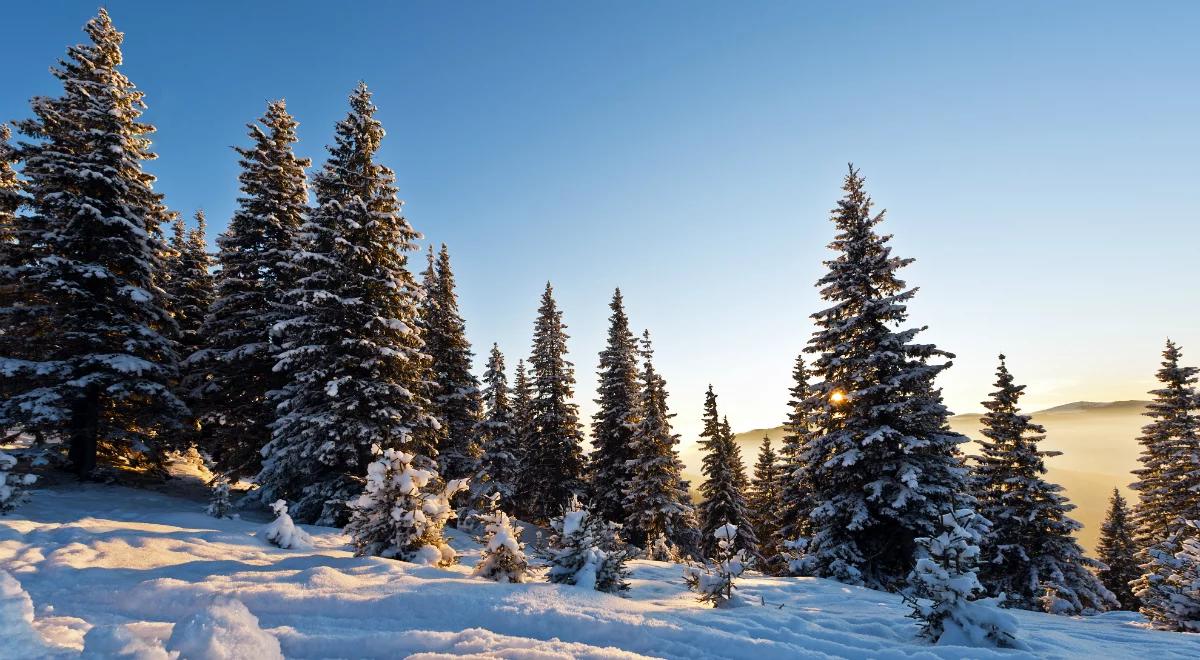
(1098, 441)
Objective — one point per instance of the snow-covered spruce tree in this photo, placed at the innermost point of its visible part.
(522, 404)
(1168, 482)
(229, 377)
(13, 483)
(11, 298)
(661, 518)
(944, 588)
(762, 501)
(723, 502)
(616, 417)
(1170, 587)
(586, 551)
(352, 355)
(283, 532)
(553, 453)
(218, 497)
(714, 580)
(456, 401)
(795, 490)
(1031, 545)
(189, 284)
(499, 470)
(1117, 550)
(100, 363)
(403, 510)
(503, 556)
(882, 460)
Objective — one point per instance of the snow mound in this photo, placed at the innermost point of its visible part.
(284, 533)
(121, 642)
(17, 634)
(225, 630)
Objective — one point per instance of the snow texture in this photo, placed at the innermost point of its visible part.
(103, 557)
(225, 630)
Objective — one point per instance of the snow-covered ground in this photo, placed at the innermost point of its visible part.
(149, 570)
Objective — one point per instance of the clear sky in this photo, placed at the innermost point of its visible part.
(1039, 160)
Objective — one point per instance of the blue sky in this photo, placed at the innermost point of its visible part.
(1038, 159)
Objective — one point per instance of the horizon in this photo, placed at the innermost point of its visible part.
(708, 121)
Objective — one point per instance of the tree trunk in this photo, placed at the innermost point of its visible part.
(85, 426)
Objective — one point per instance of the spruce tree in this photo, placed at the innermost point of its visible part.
(763, 502)
(1169, 482)
(883, 462)
(661, 518)
(11, 198)
(615, 419)
(523, 432)
(352, 356)
(1117, 550)
(1168, 489)
(11, 299)
(497, 434)
(230, 375)
(190, 284)
(554, 454)
(723, 502)
(1031, 546)
(99, 364)
(795, 488)
(456, 399)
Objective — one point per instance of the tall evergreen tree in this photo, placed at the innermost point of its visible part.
(795, 487)
(660, 514)
(1117, 550)
(230, 375)
(99, 365)
(1168, 488)
(724, 501)
(497, 434)
(1031, 546)
(1169, 480)
(883, 462)
(522, 404)
(189, 284)
(616, 418)
(352, 356)
(456, 399)
(11, 298)
(554, 453)
(763, 501)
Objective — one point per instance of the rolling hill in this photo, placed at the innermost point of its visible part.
(1098, 441)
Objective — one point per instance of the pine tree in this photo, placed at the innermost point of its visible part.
(1031, 545)
(189, 285)
(230, 376)
(615, 419)
(586, 551)
(283, 531)
(1168, 491)
(1118, 552)
(456, 399)
(795, 487)
(714, 580)
(11, 298)
(497, 434)
(402, 511)
(723, 500)
(502, 558)
(522, 404)
(554, 453)
(99, 363)
(660, 514)
(1170, 588)
(945, 588)
(1169, 480)
(352, 356)
(883, 462)
(763, 504)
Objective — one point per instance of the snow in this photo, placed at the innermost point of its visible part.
(225, 630)
(135, 570)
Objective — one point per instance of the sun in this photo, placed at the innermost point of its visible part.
(838, 396)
